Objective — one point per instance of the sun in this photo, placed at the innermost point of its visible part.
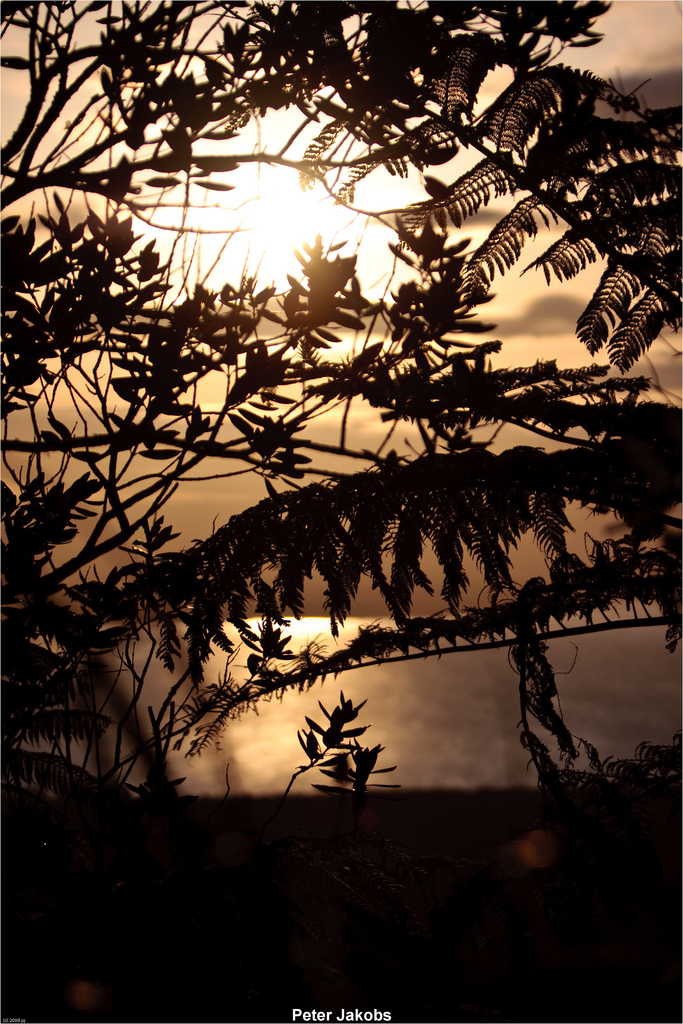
(302, 631)
(283, 216)
(265, 217)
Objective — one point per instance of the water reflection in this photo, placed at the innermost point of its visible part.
(452, 722)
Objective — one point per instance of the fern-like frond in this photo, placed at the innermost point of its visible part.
(503, 247)
(655, 237)
(471, 59)
(567, 257)
(550, 522)
(470, 502)
(637, 331)
(316, 149)
(57, 724)
(654, 771)
(169, 644)
(638, 183)
(347, 192)
(465, 197)
(609, 306)
(526, 105)
(53, 772)
(538, 693)
(208, 734)
(620, 571)
(406, 572)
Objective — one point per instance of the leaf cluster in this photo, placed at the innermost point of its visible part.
(122, 385)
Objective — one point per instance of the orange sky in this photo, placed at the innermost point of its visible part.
(642, 41)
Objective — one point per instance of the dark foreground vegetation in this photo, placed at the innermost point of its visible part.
(537, 922)
(131, 375)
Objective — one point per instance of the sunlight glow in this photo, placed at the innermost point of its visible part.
(309, 627)
(300, 632)
(303, 630)
(271, 216)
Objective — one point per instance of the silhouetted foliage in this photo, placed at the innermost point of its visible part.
(115, 349)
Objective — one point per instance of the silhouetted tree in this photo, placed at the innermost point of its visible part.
(111, 345)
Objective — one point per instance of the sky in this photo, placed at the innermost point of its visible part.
(642, 44)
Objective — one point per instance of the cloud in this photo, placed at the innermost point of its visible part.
(546, 315)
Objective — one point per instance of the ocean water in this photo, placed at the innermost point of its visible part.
(453, 722)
